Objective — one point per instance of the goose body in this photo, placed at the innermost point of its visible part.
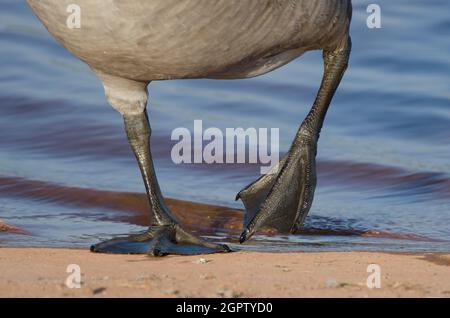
(149, 40)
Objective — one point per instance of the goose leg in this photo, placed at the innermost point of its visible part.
(282, 198)
(165, 235)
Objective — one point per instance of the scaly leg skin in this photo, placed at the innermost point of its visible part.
(282, 198)
(165, 235)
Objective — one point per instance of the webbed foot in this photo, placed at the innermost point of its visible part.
(159, 241)
(282, 198)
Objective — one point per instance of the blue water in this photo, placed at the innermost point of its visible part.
(384, 152)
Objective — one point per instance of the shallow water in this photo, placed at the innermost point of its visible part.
(68, 178)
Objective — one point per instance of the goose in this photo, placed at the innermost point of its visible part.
(129, 44)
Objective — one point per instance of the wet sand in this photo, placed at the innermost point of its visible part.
(4, 227)
(199, 218)
(41, 272)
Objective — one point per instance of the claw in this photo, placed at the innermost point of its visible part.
(245, 236)
(156, 252)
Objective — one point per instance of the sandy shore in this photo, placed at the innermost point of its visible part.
(41, 272)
